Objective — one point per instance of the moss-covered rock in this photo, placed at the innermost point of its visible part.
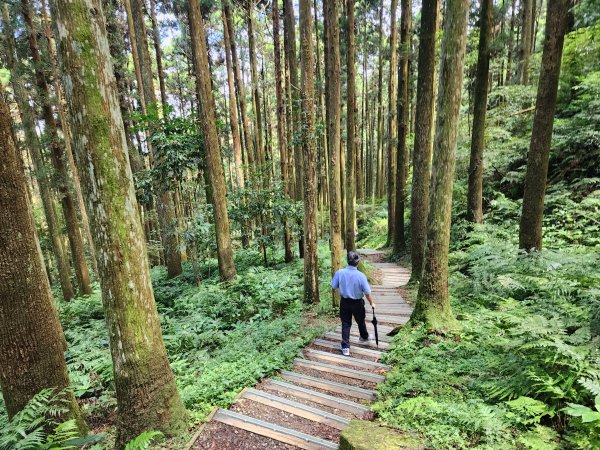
(364, 435)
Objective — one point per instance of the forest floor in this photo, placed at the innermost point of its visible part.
(309, 406)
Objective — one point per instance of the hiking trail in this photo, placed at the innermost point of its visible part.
(309, 406)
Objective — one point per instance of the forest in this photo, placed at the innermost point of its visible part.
(180, 180)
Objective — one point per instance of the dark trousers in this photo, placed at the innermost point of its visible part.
(349, 308)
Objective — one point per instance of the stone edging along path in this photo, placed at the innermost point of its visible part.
(310, 405)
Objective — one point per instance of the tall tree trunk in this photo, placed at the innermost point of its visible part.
(211, 141)
(281, 137)
(256, 106)
(33, 144)
(147, 396)
(32, 342)
(58, 160)
(309, 149)
(379, 172)
(530, 231)
(350, 130)
(233, 117)
(475, 191)
(391, 144)
(164, 204)
(332, 100)
(323, 160)
(403, 123)
(158, 53)
(510, 43)
(433, 302)
(424, 113)
(526, 41)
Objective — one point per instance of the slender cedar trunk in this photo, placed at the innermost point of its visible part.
(256, 106)
(33, 144)
(309, 149)
(164, 206)
(526, 40)
(363, 171)
(403, 106)
(475, 191)
(424, 113)
(530, 230)
(296, 125)
(290, 53)
(350, 130)
(324, 168)
(32, 342)
(206, 105)
(343, 184)
(433, 302)
(158, 53)
(147, 396)
(332, 100)
(379, 192)
(281, 137)
(233, 117)
(58, 157)
(291, 185)
(62, 113)
(391, 144)
(510, 43)
(239, 86)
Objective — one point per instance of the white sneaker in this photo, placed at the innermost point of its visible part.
(345, 350)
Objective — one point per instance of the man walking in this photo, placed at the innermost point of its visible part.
(352, 285)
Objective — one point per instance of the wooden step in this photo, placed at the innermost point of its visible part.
(272, 431)
(396, 320)
(338, 370)
(317, 397)
(337, 337)
(348, 360)
(355, 350)
(331, 386)
(298, 409)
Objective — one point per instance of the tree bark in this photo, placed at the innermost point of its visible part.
(147, 396)
(158, 53)
(206, 106)
(281, 137)
(391, 144)
(475, 190)
(433, 302)
(32, 342)
(256, 106)
(350, 130)
(379, 172)
(403, 105)
(424, 113)
(526, 41)
(510, 43)
(332, 100)
(58, 156)
(33, 144)
(309, 149)
(530, 230)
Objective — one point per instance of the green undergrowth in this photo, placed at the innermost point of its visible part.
(524, 372)
(220, 337)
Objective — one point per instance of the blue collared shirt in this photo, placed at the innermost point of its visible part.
(351, 282)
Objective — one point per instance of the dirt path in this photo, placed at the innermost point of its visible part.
(308, 406)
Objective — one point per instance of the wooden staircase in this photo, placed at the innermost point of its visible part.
(308, 406)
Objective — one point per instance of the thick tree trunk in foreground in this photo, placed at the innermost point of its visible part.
(475, 191)
(32, 343)
(147, 396)
(332, 101)
(423, 134)
(309, 149)
(32, 141)
(530, 230)
(391, 155)
(58, 157)
(206, 106)
(281, 137)
(351, 178)
(403, 123)
(433, 302)
(526, 41)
